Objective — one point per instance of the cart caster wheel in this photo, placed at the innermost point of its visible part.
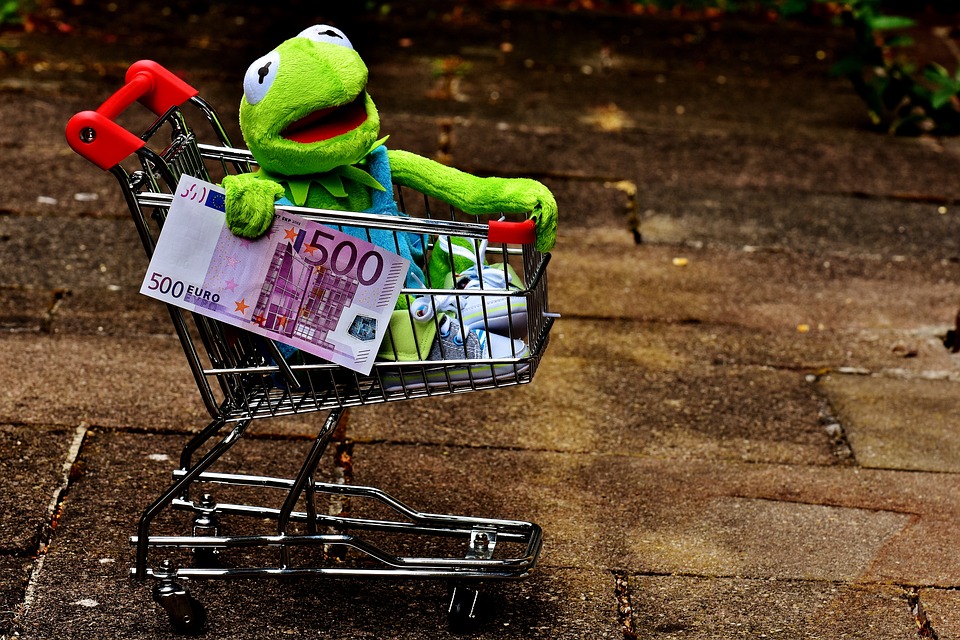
(463, 614)
(187, 614)
(206, 558)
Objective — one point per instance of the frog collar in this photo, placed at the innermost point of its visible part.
(332, 180)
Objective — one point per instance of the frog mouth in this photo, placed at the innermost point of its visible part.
(327, 123)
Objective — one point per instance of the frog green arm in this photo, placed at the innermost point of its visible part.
(476, 195)
(249, 204)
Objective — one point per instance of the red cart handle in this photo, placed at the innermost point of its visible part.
(512, 232)
(95, 135)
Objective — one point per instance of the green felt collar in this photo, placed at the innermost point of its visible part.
(332, 181)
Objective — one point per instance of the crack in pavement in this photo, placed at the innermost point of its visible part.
(68, 475)
(924, 627)
(624, 608)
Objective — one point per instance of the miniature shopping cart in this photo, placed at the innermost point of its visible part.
(243, 377)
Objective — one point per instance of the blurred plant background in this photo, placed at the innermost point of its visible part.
(902, 92)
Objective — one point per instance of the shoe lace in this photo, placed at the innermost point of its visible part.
(477, 276)
(448, 326)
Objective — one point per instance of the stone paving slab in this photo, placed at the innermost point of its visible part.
(89, 253)
(942, 608)
(712, 519)
(921, 554)
(589, 520)
(898, 424)
(112, 311)
(31, 462)
(83, 588)
(712, 160)
(16, 572)
(576, 404)
(836, 228)
(104, 381)
(659, 400)
(645, 282)
(645, 515)
(695, 608)
(24, 309)
(709, 288)
(660, 397)
(731, 536)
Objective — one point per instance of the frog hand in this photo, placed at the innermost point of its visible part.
(249, 204)
(544, 213)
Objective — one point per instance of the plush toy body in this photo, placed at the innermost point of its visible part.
(313, 129)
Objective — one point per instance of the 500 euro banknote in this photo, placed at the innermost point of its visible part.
(304, 284)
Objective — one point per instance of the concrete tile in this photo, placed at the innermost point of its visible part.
(13, 581)
(732, 536)
(104, 381)
(636, 399)
(832, 226)
(921, 554)
(942, 608)
(927, 495)
(67, 186)
(140, 382)
(643, 515)
(24, 309)
(90, 253)
(31, 464)
(742, 288)
(897, 424)
(696, 608)
(83, 588)
(591, 521)
(711, 156)
(721, 347)
(652, 401)
(111, 311)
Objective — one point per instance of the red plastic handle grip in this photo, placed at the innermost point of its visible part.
(502, 231)
(95, 135)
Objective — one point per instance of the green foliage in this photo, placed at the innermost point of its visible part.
(10, 13)
(897, 96)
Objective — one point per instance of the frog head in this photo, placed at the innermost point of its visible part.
(305, 108)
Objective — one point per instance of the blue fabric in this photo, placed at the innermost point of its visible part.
(411, 246)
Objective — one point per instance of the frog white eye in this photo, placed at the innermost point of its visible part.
(260, 76)
(323, 33)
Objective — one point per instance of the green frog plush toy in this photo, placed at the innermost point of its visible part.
(314, 131)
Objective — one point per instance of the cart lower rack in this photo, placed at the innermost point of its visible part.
(243, 378)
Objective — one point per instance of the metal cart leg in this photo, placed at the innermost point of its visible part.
(305, 477)
(179, 488)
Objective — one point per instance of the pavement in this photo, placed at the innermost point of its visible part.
(745, 425)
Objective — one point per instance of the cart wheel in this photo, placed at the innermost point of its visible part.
(463, 612)
(206, 558)
(187, 614)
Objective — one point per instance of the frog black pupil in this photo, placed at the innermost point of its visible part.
(263, 71)
(332, 34)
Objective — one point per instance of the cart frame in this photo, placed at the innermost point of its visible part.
(242, 378)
